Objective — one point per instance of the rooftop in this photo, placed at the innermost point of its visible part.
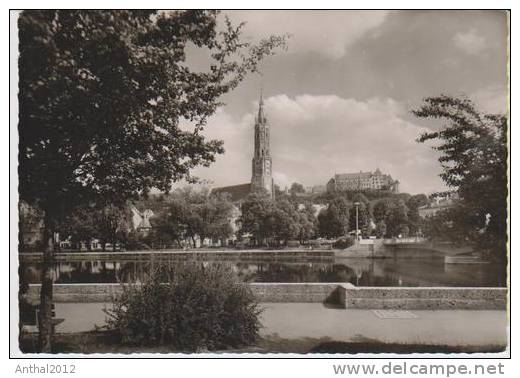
(235, 192)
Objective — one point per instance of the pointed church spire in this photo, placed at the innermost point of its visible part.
(262, 178)
(261, 115)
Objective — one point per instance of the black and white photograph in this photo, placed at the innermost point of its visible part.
(261, 183)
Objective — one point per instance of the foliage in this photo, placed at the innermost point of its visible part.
(445, 225)
(380, 230)
(389, 208)
(333, 221)
(254, 220)
(415, 222)
(102, 93)
(380, 210)
(363, 218)
(283, 221)
(276, 221)
(190, 307)
(101, 96)
(80, 226)
(416, 201)
(308, 222)
(296, 188)
(473, 155)
(189, 213)
(29, 221)
(343, 243)
(397, 217)
(109, 224)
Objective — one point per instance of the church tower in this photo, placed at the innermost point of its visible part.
(262, 163)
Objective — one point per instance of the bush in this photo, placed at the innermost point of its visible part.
(343, 243)
(190, 307)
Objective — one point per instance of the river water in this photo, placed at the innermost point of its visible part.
(358, 271)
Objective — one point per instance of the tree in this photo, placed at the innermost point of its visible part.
(80, 226)
(360, 197)
(396, 218)
(296, 188)
(194, 214)
(254, 220)
(101, 94)
(473, 156)
(219, 215)
(112, 225)
(380, 210)
(380, 229)
(415, 222)
(167, 222)
(308, 222)
(363, 218)
(29, 221)
(334, 221)
(283, 221)
(416, 201)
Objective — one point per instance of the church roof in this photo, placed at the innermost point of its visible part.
(236, 192)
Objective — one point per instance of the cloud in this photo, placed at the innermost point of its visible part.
(314, 137)
(470, 42)
(491, 99)
(282, 180)
(328, 33)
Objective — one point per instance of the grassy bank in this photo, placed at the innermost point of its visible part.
(103, 342)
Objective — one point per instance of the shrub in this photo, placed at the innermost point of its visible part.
(190, 307)
(343, 243)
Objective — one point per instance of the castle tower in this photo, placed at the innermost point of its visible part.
(262, 163)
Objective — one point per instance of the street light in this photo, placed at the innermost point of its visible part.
(357, 220)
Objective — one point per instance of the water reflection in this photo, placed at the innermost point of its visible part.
(360, 272)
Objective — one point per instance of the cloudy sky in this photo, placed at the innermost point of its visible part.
(339, 99)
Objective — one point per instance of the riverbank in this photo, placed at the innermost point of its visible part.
(98, 343)
(367, 248)
(197, 254)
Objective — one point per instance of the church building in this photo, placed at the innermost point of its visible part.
(261, 178)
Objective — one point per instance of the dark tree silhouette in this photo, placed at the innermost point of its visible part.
(473, 154)
(101, 94)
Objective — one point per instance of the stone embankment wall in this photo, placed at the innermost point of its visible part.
(422, 298)
(345, 295)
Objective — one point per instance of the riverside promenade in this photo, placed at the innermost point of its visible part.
(314, 323)
(312, 314)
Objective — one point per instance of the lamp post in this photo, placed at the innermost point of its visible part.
(357, 220)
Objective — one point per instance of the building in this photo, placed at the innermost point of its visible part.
(362, 181)
(438, 203)
(316, 189)
(30, 226)
(261, 177)
(141, 220)
(315, 207)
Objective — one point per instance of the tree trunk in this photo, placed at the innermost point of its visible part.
(45, 311)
